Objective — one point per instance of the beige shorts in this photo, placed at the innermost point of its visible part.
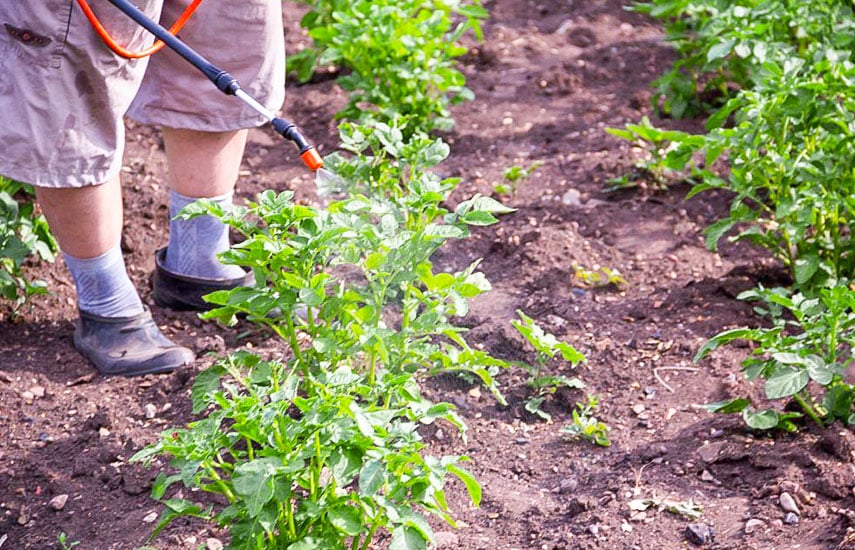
(63, 94)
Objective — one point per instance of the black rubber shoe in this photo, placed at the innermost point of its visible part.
(127, 346)
(183, 292)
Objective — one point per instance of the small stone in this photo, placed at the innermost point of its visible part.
(594, 529)
(788, 503)
(568, 485)
(58, 502)
(699, 533)
(791, 518)
(37, 391)
(572, 198)
(103, 432)
(638, 516)
(707, 476)
(213, 544)
(709, 453)
(27, 395)
(475, 393)
(150, 411)
(446, 539)
(625, 527)
(753, 524)
(150, 518)
(638, 409)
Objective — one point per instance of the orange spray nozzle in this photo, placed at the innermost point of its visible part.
(312, 159)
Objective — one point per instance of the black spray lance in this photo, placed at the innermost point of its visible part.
(225, 82)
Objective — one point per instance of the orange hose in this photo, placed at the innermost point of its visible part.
(119, 50)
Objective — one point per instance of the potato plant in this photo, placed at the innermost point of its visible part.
(23, 234)
(786, 138)
(807, 348)
(321, 449)
(723, 44)
(397, 57)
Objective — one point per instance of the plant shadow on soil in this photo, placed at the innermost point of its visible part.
(549, 78)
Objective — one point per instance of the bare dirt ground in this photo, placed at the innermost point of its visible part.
(549, 77)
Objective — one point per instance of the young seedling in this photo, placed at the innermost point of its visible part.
(514, 176)
(661, 167)
(64, 543)
(546, 347)
(597, 277)
(585, 425)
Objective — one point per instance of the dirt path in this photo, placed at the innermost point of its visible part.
(549, 77)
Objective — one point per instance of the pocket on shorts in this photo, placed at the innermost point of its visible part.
(34, 33)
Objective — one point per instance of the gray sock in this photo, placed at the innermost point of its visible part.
(103, 285)
(194, 244)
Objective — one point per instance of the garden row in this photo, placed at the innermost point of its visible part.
(777, 79)
(320, 449)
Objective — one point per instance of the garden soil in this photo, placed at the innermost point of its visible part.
(550, 76)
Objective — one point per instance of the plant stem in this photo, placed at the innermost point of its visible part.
(808, 409)
(370, 536)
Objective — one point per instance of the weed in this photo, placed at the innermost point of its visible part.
(685, 508)
(597, 277)
(585, 425)
(546, 347)
(514, 175)
(64, 543)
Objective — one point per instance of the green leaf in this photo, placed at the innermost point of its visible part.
(805, 268)
(786, 381)
(533, 406)
(838, 401)
(254, 482)
(716, 231)
(372, 476)
(207, 382)
(760, 420)
(346, 519)
(724, 338)
(728, 406)
(479, 218)
(314, 543)
(407, 538)
(176, 508)
(472, 485)
(720, 50)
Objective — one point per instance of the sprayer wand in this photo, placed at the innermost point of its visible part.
(225, 82)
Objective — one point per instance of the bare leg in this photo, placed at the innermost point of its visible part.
(87, 221)
(203, 164)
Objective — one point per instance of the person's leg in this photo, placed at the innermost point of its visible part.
(87, 222)
(114, 330)
(201, 165)
(205, 134)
